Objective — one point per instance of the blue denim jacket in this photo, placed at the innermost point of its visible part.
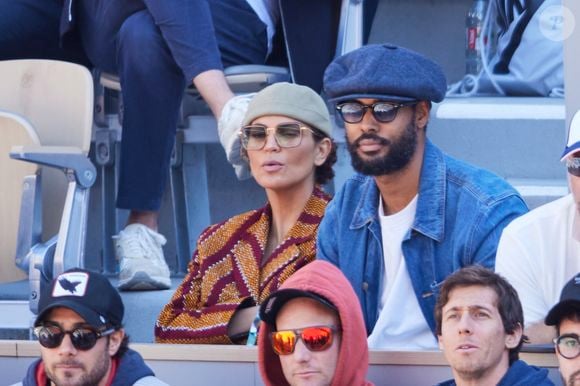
(461, 212)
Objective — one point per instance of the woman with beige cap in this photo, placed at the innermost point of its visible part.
(286, 139)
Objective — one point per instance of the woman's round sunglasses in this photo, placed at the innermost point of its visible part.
(82, 338)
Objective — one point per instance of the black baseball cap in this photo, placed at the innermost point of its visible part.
(569, 300)
(274, 303)
(87, 293)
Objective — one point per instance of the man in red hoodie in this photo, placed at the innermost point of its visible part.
(312, 333)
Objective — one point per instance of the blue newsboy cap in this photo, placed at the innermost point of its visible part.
(384, 71)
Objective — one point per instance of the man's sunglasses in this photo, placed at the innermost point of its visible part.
(83, 338)
(385, 112)
(568, 345)
(573, 166)
(318, 338)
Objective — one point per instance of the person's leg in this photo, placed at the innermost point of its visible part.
(156, 50)
(153, 84)
(121, 38)
(152, 87)
(29, 29)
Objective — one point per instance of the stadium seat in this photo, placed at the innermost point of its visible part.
(18, 180)
(54, 100)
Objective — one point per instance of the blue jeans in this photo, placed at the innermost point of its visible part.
(156, 48)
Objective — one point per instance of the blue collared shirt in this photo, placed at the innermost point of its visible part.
(461, 212)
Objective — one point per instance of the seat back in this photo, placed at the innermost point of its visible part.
(57, 99)
(14, 130)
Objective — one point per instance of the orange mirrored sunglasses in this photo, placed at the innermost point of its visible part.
(316, 338)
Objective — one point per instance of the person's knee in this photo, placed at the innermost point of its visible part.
(141, 45)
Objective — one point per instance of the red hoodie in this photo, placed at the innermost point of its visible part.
(327, 281)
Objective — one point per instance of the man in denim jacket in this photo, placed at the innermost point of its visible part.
(413, 215)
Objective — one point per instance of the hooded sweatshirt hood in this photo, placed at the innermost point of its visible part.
(324, 279)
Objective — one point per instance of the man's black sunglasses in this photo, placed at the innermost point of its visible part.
(385, 112)
(82, 337)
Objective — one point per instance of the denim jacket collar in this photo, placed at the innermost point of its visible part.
(429, 218)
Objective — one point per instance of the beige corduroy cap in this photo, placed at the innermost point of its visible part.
(293, 101)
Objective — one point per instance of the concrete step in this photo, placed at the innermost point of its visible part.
(515, 137)
(537, 192)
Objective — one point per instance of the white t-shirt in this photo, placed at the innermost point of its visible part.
(538, 253)
(401, 324)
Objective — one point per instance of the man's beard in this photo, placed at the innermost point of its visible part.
(397, 158)
(87, 379)
(571, 381)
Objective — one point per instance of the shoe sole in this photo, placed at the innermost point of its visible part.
(141, 281)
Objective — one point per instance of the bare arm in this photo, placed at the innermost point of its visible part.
(214, 89)
(539, 333)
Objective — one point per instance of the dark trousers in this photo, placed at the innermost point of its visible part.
(29, 30)
(154, 65)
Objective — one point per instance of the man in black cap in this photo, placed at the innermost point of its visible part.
(79, 328)
(565, 316)
(412, 215)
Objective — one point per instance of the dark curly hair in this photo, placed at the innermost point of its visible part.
(324, 173)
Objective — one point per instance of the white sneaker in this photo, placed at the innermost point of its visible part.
(142, 264)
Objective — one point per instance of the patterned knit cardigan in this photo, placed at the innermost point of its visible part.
(227, 268)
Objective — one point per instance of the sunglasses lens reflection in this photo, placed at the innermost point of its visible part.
(314, 338)
(352, 112)
(573, 166)
(283, 342)
(317, 339)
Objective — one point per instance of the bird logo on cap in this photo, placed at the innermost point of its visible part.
(71, 284)
(67, 285)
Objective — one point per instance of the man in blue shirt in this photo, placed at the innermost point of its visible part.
(480, 326)
(412, 215)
